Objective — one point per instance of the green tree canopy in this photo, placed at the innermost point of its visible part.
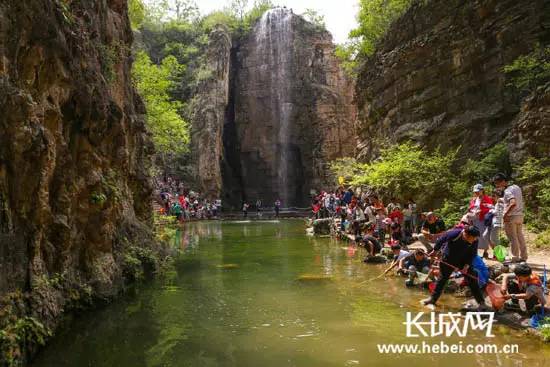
(170, 132)
(313, 16)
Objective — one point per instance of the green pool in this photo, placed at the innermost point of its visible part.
(235, 300)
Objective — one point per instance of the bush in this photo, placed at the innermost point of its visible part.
(403, 171)
(534, 176)
(527, 72)
(543, 240)
(18, 336)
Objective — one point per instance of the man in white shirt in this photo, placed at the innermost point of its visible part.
(513, 217)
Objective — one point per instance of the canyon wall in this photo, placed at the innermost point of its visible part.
(75, 190)
(437, 79)
(289, 112)
(209, 113)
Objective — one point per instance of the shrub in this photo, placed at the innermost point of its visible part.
(543, 240)
(98, 198)
(19, 335)
(534, 176)
(529, 71)
(404, 170)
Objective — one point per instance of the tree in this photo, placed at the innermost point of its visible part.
(136, 11)
(375, 18)
(154, 82)
(238, 8)
(185, 10)
(313, 16)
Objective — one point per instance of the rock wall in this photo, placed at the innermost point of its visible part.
(437, 76)
(209, 110)
(74, 153)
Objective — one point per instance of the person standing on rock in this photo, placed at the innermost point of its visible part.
(513, 217)
(259, 207)
(480, 205)
(245, 209)
(277, 207)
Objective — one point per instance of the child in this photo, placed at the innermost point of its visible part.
(381, 225)
(398, 254)
(495, 220)
(523, 284)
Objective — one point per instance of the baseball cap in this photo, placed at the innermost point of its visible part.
(478, 188)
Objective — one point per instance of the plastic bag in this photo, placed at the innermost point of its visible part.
(500, 253)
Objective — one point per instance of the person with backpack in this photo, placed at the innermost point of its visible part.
(458, 249)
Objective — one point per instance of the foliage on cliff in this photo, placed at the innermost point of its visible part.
(530, 71)
(374, 20)
(154, 82)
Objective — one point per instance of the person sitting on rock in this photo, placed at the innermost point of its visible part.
(397, 234)
(398, 254)
(416, 261)
(372, 245)
(523, 284)
(432, 228)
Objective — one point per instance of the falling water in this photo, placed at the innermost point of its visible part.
(274, 43)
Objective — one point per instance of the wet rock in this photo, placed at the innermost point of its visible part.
(322, 226)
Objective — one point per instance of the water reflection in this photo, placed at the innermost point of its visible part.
(235, 299)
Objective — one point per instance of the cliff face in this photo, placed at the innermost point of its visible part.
(293, 109)
(437, 76)
(288, 112)
(209, 111)
(74, 152)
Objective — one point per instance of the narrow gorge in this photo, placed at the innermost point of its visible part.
(113, 113)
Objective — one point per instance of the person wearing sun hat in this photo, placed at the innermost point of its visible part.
(480, 205)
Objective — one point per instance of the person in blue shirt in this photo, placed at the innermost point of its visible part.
(458, 248)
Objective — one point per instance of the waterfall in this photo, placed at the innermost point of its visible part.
(274, 43)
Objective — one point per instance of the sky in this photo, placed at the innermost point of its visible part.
(339, 14)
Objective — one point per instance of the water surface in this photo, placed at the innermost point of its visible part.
(234, 300)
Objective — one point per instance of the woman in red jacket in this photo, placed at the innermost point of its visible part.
(479, 207)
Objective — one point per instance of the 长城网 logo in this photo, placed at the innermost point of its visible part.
(448, 324)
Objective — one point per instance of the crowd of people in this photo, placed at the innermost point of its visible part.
(429, 252)
(175, 200)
